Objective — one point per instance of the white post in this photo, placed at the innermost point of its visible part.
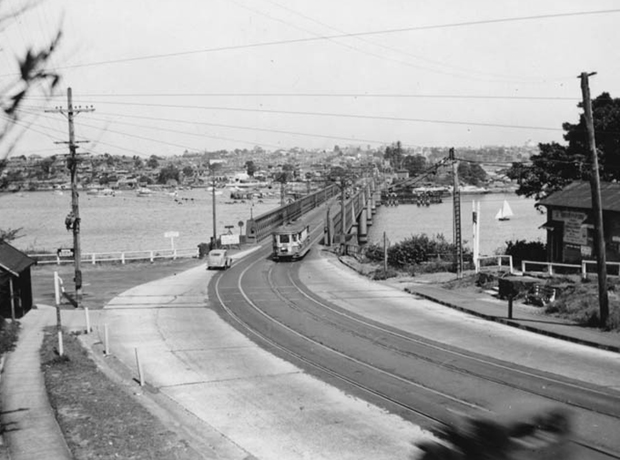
(584, 270)
(61, 350)
(510, 264)
(151, 256)
(550, 269)
(140, 375)
(123, 258)
(93, 258)
(87, 320)
(106, 341)
(523, 267)
(56, 288)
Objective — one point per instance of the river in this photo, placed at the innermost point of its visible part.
(400, 222)
(126, 222)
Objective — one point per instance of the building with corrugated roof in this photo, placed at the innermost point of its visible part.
(15, 282)
(570, 222)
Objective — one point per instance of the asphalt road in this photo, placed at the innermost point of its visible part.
(413, 358)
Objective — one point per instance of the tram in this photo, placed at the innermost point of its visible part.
(291, 241)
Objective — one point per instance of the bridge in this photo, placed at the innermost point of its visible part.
(351, 219)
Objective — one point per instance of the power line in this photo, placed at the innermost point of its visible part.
(341, 115)
(345, 35)
(250, 128)
(338, 95)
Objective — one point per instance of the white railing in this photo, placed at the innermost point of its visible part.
(549, 267)
(118, 256)
(498, 259)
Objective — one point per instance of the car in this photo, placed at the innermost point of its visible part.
(218, 258)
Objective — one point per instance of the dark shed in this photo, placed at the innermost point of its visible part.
(15, 282)
(570, 229)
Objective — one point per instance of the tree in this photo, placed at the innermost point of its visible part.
(152, 162)
(556, 165)
(415, 164)
(188, 171)
(250, 168)
(394, 154)
(10, 234)
(472, 173)
(32, 73)
(167, 173)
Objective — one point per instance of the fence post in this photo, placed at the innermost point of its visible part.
(93, 259)
(151, 256)
(550, 265)
(106, 340)
(140, 375)
(523, 267)
(57, 259)
(499, 263)
(510, 265)
(584, 270)
(123, 258)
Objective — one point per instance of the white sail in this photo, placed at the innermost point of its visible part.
(504, 212)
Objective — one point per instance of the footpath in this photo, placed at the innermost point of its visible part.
(30, 430)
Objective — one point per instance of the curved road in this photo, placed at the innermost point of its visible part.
(414, 358)
(390, 361)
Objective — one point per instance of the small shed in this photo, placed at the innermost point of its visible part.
(15, 282)
(570, 222)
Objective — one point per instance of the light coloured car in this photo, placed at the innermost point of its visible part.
(218, 258)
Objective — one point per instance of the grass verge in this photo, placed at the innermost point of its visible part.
(99, 419)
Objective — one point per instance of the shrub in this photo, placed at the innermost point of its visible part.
(415, 251)
(525, 250)
(8, 335)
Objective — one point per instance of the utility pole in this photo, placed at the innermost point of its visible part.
(72, 221)
(597, 209)
(214, 242)
(456, 199)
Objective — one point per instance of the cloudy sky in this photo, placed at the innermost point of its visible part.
(168, 76)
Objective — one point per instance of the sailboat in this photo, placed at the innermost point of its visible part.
(504, 212)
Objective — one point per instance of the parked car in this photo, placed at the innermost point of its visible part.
(218, 258)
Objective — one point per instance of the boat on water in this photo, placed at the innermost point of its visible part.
(504, 213)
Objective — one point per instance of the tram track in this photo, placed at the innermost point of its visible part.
(260, 304)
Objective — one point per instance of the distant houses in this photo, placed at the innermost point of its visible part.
(570, 224)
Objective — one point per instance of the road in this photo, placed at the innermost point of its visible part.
(330, 365)
(413, 358)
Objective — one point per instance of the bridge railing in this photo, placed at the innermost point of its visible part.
(262, 226)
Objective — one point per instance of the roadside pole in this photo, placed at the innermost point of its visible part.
(597, 210)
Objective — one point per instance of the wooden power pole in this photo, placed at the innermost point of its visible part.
(597, 209)
(72, 221)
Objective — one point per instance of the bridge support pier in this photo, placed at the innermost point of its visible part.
(368, 211)
(362, 228)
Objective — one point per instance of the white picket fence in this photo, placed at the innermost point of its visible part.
(117, 257)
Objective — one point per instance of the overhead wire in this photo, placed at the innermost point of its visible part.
(345, 35)
(338, 95)
(340, 115)
(464, 73)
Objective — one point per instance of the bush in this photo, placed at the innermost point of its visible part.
(579, 303)
(416, 251)
(524, 250)
(9, 332)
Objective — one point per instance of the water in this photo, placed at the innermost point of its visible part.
(124, 222)
(127, 222)
(400, 222)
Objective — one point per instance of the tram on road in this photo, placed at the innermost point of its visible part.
(291, 241)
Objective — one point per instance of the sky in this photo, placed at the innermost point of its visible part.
(165, 77)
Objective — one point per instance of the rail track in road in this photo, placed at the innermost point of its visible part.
(421, 380)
